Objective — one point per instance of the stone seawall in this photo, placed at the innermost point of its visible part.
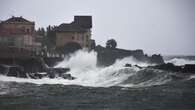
(30, 64)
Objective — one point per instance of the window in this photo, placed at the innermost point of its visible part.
(87, 38)
(72, 37)
(82, 37)
(23, 28)
(28, 30)
(1, 41)
(11, 42)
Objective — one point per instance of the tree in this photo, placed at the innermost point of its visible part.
(93, 44)
(51, 37)
(111, 43)
(40, 31)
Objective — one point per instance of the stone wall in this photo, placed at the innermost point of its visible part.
(108, 56)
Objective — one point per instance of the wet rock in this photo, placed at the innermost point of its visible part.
(168, 67)
(188, 68)
(68, 76)
(138, 66)
(18, 71)
(3, 69)
(56, 72)
(15, 71)
(61, 70)
(37, 75)
(128, 65)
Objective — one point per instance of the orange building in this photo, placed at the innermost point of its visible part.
(17, 32)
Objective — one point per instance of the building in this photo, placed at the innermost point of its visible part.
(17, 32)
(78, 31)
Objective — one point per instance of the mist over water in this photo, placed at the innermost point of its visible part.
(83, 66)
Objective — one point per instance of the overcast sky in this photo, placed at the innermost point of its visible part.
(156, 26)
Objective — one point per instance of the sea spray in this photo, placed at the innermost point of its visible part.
(180, 61)
(83, 67)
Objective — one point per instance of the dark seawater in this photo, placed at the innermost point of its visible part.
(24, 96)
(155, 90)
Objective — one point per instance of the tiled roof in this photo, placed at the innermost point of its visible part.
(17, 19)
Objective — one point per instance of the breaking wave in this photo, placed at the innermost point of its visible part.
(83, 67)
(180, 61)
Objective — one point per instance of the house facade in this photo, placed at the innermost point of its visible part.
(17, 32)
(78, 31)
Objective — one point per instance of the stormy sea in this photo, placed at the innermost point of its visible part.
(102, 88)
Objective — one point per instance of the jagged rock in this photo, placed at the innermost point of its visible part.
(128, 65)
(188, 68)
(56, 72)
(68, 76)
(18, 71)
(37, 75)
(138, 66)
(53, 73)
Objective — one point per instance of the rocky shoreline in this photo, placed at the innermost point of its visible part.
(187, 68)
(32, 67)
(170, 67)
(39, 67)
